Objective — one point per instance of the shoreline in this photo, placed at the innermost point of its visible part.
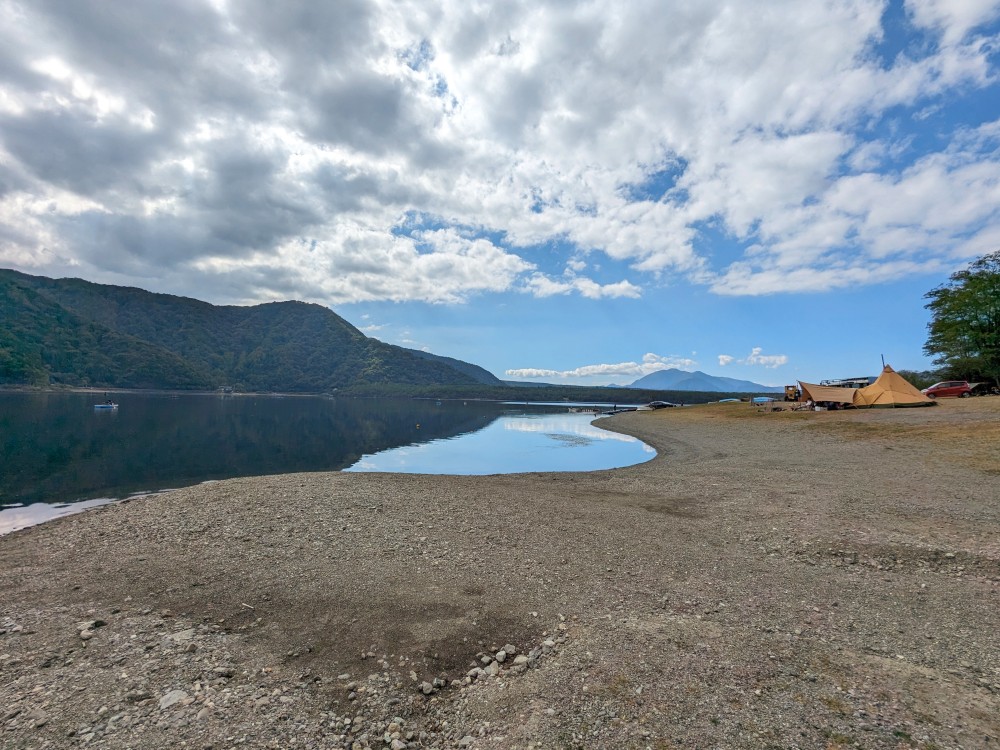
(151, 391)
(20, 388)
(785, 579)
(21, 512)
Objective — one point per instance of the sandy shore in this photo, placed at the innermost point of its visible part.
(782, 580)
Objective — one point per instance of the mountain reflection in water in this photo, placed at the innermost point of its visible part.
(56, 449)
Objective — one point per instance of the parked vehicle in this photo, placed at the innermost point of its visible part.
(958, 388)
(984, 389)
(849, 382)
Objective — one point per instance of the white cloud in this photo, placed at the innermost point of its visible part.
(867, 228)
(608, 372)
(953, 18)
(755, 357)
(764, 360)
(542, 286)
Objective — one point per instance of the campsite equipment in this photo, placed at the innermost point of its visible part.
(888, 390)
(959, 388)
(820, 393)
(849, 382)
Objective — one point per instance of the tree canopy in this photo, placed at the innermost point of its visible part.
(965, 330)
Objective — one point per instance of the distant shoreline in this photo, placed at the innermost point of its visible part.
(152, 391)
(7, 388)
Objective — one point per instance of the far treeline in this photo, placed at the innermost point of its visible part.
(73, 333)
(544, 393)
(964, 332)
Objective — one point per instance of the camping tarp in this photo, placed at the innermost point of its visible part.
(889, 390)
(833, 393)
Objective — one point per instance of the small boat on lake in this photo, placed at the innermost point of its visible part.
(106, 405)
(654, 405)
(620, 410)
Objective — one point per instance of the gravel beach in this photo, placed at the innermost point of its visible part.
(769, 580)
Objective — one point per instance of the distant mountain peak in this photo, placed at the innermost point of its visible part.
(674, 379)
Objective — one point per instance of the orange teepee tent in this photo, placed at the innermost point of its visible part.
(890, 390)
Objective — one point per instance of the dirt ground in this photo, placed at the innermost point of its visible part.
(789, 579)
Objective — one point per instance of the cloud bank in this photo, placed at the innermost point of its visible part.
(362, 151)
(607, 372)
(755, 358)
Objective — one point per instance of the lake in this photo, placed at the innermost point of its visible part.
(58, 454)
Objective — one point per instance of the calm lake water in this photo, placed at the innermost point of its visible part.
(58, 454)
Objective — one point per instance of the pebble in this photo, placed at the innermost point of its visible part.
(172, 699)
(182, 636)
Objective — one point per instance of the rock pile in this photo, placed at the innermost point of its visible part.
(135, 677)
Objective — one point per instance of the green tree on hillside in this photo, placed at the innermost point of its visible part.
(965, 330)
(921, 378)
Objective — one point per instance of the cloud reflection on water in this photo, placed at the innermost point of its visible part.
(513, 444)
(13, 519)
(566, 424)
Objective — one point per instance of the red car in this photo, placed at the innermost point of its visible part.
(949, 388)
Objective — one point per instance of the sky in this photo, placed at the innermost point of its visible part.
(565, 192)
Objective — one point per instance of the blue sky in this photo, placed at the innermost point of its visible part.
(557, 191)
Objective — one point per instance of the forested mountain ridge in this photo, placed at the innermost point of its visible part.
(477, 373)
(75, 332)
(43, 343)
